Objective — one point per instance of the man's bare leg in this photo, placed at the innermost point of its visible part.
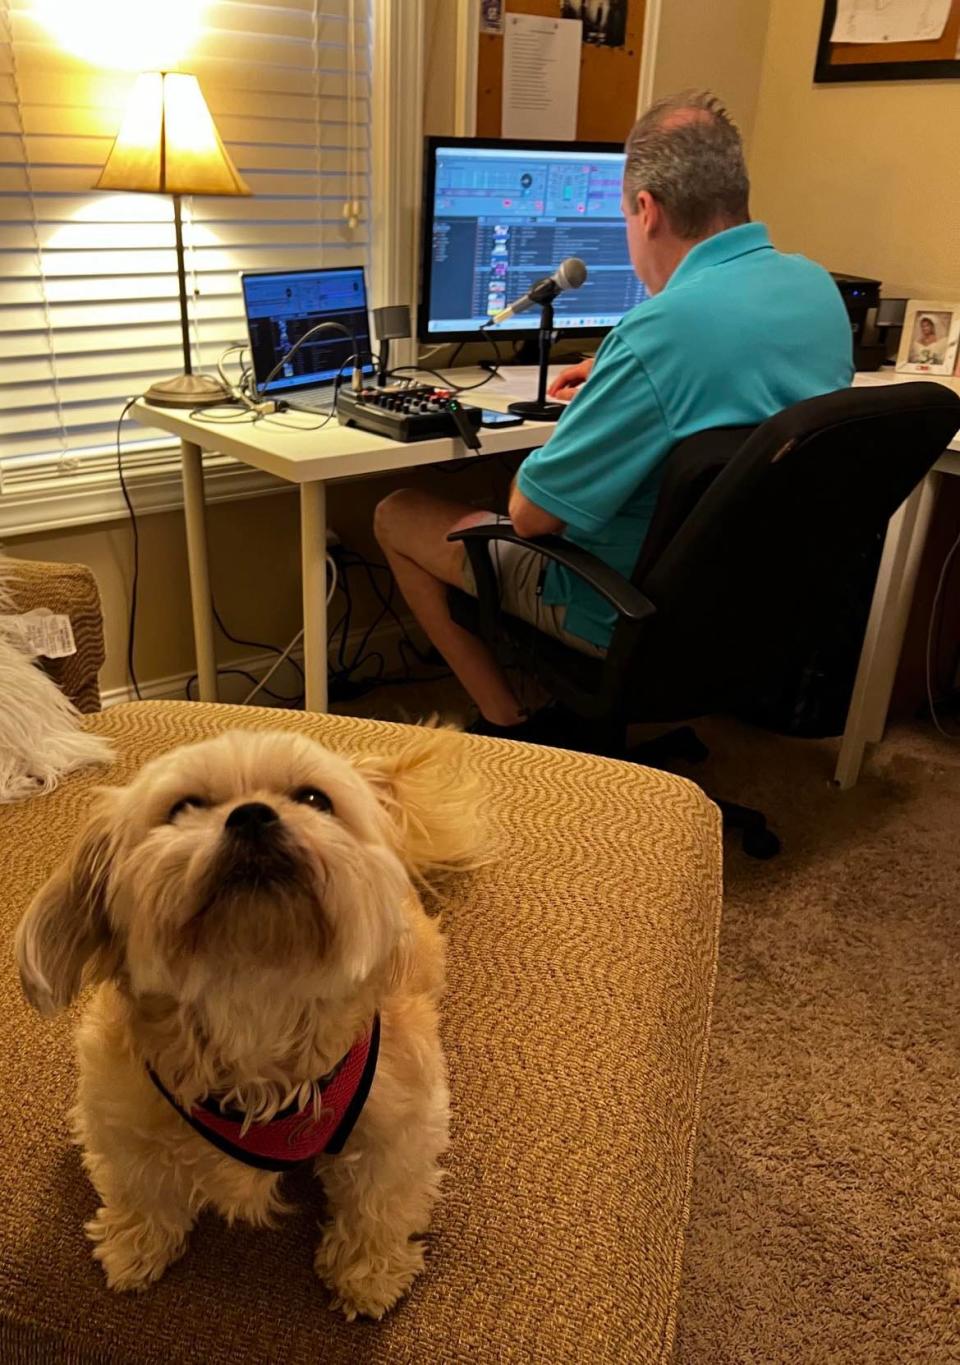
(412, 529)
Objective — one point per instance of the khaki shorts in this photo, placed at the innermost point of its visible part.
(520, 572)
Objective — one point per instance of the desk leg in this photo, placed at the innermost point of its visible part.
(195, 514)
(313, 554)
(882, 641)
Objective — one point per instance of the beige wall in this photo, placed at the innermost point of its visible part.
(717, 45)
(862, 177)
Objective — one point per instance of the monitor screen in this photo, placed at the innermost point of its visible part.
(282, 305)
(500, 215)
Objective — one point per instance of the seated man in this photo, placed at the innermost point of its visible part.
(735, 331)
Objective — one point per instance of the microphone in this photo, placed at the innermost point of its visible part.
(570, 274)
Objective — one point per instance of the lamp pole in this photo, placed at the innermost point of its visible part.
(182, 280)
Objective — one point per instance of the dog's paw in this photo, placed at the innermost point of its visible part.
(366, 1281)
(133, 1253)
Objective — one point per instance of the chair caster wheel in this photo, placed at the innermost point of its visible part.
(760, 843)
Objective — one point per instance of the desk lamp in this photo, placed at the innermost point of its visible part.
(168, 144)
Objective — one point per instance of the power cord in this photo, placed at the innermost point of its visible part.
(134, 594)
(245, 408)
(343, 679)
(344, 684)
(445, 380)
(287, 653)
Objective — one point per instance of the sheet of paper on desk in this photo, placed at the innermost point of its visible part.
(541, 77)
(890, 21)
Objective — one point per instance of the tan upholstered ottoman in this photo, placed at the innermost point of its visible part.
(69, 590)
(581, 975)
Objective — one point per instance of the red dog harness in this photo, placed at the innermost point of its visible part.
(295, 1134)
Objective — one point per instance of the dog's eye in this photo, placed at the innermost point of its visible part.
(312, 796)
(186, 803)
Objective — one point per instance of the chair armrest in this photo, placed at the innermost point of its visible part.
(616, 590)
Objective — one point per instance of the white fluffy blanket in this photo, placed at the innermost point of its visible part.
(41, 735)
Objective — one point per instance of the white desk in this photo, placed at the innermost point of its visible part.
(890, 608)
(312, 459)
(289, 449)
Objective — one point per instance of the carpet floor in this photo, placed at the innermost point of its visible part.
(825, 1222)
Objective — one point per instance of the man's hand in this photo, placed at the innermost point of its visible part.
(568, 381)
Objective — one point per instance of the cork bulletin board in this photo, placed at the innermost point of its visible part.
(609, 77)
(933, 60)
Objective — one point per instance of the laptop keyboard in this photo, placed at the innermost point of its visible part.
(311, 400)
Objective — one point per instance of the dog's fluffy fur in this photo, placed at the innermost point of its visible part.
(246, 971)
(40, 735)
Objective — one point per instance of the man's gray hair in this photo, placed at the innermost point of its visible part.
(687, 152)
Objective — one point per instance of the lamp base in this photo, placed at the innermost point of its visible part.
(188, 391)
(537, 412)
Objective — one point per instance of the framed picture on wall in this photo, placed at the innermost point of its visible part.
(930, 339)
(889, 40)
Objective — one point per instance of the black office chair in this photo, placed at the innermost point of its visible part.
(754, 535)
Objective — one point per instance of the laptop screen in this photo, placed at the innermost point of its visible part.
(281, 306)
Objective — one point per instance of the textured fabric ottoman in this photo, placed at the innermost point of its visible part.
(581, 969)
(69, 590)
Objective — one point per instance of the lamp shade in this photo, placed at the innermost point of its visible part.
(168, 142)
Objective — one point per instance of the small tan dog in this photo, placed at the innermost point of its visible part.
(249, 908)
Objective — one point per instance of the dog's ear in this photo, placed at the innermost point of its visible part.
(65, 938)
(433, 801)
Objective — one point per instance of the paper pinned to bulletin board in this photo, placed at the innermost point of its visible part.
(541, 77)
(894, 21)
(610, 53)
(889, 40)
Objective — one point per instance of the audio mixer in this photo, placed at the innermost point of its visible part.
(417, 413)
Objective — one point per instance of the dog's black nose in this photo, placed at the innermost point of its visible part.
(251, 818)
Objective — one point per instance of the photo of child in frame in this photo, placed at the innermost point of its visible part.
(931, 333)
(931, 338)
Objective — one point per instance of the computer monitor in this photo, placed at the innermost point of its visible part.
(282, 305)
(500, 214)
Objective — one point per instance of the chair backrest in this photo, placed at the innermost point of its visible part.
(752, 570)
(691, 468)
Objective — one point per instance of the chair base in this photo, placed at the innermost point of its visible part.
(756, 840)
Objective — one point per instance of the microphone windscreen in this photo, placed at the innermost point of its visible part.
(572, 273)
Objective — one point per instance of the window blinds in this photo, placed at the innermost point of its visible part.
(88, 290)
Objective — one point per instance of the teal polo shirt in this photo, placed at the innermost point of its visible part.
(739, 332)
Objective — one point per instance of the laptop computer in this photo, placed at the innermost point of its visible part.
(281, 306)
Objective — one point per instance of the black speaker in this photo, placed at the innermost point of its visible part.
(389, 324)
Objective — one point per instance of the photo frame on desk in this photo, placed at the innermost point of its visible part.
(934, 59)
(930, 341)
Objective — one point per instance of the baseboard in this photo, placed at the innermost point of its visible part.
(233, 689)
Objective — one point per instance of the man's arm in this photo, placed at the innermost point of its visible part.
(528, 519)
(603, 447)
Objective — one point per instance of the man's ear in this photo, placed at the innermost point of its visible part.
(650, 211)
(64, 938)
(432, 799)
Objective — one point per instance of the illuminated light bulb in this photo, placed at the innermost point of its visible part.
(123, 35)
